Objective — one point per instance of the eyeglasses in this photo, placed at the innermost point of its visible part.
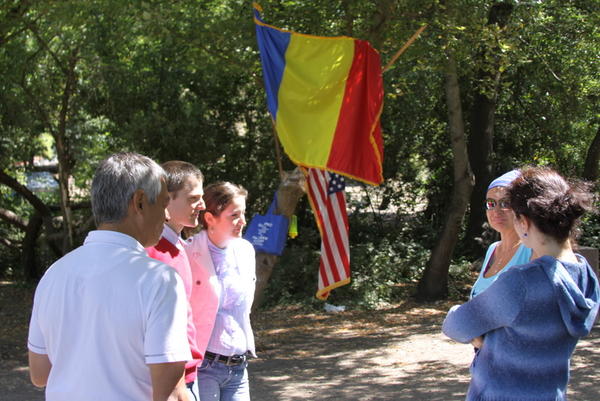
(493, 203)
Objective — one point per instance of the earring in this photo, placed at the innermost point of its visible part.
(524, 234)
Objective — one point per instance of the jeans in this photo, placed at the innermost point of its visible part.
(192, 390)
(219, 382)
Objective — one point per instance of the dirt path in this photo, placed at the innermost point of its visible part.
(396, 354)
(393, 354)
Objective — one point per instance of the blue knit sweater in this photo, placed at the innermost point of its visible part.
(532, 317)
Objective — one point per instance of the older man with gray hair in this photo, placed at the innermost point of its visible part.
(108, 322)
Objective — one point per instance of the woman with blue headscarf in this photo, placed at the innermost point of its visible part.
(509, 251)
(534, 314)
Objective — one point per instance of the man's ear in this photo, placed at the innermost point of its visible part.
(138, 201)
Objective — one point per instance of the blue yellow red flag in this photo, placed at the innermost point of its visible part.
(325, 95)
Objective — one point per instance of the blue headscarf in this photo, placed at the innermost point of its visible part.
(505, 179)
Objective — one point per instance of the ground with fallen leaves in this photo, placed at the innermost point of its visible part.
(394, 353)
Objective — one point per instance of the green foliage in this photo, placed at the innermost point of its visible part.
(460, 280)
(590, 231)
(385, 259)
(182, 80)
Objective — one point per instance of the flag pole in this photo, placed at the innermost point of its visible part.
(404, 47)
(277, 149)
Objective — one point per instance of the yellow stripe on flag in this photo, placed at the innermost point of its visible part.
(311, 94)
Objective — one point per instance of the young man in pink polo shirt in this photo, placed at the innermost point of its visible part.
(184, 183)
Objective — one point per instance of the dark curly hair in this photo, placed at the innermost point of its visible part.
(551, 202)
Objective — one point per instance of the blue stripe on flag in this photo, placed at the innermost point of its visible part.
(272, 44)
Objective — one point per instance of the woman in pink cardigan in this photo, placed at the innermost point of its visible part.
(223, 273)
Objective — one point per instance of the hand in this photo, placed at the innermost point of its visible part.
(179, 393)
(168, 382)
(477, 342)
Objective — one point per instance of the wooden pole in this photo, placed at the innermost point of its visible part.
(404, 47)
(277, 149)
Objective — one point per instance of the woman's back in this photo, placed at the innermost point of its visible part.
(533, 316)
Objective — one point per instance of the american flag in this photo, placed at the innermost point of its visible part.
(328, 201)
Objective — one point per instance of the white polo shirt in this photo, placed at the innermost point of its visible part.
(102, 313)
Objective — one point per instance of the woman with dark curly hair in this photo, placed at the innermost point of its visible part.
(532, 316)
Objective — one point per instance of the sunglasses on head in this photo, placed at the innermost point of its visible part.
(493, 203)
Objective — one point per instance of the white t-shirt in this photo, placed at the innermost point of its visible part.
(102, 313)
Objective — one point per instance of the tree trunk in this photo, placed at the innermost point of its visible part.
(381, 16)
(63, 153)
(289, 193)
(59, 133)
(592, 159)
(348, 18)
(434, 283)
(29, 255)
(481, 139)
(43, 212)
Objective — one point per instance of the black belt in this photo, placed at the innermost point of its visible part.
(232, 360)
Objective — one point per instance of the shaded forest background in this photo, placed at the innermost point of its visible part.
(489, 86)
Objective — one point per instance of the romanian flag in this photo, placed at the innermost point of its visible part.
(325, 95)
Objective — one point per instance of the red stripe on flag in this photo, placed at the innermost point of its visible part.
(357, 147)
(332, 219)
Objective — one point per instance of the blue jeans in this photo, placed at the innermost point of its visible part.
(192, 390)
(219, 382)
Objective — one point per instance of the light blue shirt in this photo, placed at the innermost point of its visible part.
(235, 301)
(522, 256)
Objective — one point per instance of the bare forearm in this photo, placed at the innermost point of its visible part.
(180, 392)
(167, 382)
(39, 369)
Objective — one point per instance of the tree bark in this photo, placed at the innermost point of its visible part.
(381, 16)
(63, 152)
(348, 18)
(434, 283)
(289, 193)
(12, 218)
(59, 133)
(42, 211)
(481, 139)
(592, 159)
(7, 243)
(22, 190)
(29, 255)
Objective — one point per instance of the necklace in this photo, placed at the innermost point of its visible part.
(499, 260)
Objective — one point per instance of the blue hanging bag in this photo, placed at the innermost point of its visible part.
(268, 232)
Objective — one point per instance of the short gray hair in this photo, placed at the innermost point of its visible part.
(116, 180)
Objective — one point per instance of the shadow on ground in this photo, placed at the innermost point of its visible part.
(386, 355)
(394, 354)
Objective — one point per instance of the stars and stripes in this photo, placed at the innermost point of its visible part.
(327, 198)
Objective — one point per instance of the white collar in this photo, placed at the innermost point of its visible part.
(114, 237)
(170, 235)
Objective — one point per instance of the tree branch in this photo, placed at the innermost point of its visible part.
(13, 219)
(45, 45)
(543, 60)
(7, 243)
(36, 202)
(15, 12)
